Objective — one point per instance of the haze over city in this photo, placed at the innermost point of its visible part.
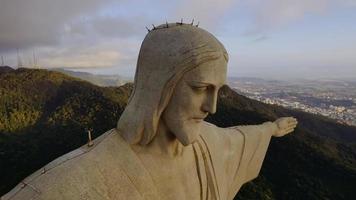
(276, 39)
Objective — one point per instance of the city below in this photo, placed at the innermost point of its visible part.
(335, 99)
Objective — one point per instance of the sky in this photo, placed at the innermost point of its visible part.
(277, 39)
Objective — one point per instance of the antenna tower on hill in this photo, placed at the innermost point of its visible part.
(35, 60)
(19, 61)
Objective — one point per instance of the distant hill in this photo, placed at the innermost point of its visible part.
(100, 80)
(4, 69)
(44, 114)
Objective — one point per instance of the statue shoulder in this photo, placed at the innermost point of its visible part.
(210, 129)
(222, 139)
(214, 132)
(33, 186)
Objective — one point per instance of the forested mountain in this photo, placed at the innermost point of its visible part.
(44, 114)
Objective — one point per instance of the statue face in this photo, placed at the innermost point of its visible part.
(194, 97)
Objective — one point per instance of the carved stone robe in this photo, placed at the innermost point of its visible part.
(225, 159)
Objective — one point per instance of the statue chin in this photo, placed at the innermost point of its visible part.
(187, 134)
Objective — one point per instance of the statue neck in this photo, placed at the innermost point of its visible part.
(164, 143)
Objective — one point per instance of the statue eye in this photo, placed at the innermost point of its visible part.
(199, 88)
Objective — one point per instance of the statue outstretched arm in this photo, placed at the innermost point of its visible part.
(256, 139)
(282, 126)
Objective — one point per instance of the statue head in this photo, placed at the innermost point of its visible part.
(179, 70)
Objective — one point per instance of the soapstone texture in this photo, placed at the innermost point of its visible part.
(162, 148)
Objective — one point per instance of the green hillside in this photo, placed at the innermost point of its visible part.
(44, 114)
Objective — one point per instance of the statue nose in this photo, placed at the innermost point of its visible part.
(210, 102)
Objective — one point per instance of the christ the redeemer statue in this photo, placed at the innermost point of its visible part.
(162, 148)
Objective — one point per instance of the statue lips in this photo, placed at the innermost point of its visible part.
(199, 119)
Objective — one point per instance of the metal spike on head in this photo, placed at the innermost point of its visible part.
(167, 25)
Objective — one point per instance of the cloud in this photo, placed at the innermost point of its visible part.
(108, 33)
(68, 33)
(75, 33)
(101, 55)
(260, 38)
(40, 22)
(107, 27)
(208, 12)
(82, 58)
(268, 15)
